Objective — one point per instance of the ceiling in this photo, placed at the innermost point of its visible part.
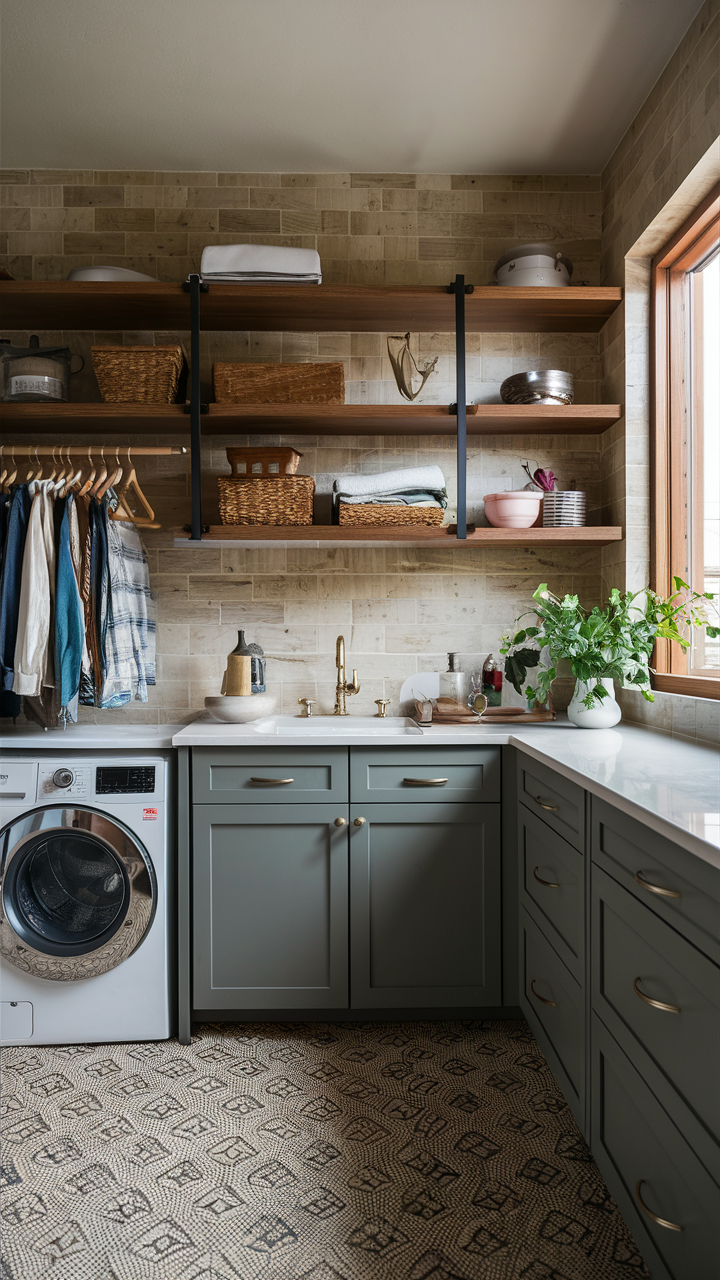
(434, 86)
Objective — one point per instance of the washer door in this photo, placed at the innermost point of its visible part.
(78, 893)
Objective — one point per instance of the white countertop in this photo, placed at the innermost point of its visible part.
(669, 784)
(90, 737)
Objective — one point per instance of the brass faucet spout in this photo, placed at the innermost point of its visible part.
(343, 687)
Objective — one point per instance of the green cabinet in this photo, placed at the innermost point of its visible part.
(554, 1004)
(270, 907)
(425, 895)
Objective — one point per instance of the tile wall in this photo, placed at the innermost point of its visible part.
(400, 610)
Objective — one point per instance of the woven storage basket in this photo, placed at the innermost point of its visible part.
(138, 375)
(369, 513)
(266, 500)
(279, 383)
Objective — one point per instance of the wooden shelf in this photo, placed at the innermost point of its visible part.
(309, 419)
(319, 535)
(95, 305)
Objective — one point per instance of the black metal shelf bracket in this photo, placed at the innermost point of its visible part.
(195, 286)
(459, 288)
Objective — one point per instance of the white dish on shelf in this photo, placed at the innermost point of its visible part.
(117, 274)
(241, 710)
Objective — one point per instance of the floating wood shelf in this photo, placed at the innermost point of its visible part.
(324, 308)
(319, 535)
(309, 419)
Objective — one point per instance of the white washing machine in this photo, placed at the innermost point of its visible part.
(85, 898)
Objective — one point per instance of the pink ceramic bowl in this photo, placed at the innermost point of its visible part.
(515, 510)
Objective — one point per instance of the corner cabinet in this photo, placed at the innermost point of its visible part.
(304, 896)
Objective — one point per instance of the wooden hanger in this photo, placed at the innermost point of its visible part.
(124, 510)
(110, 481)
(88, 484)
(103, 473)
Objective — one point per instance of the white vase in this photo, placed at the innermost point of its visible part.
(602, 715)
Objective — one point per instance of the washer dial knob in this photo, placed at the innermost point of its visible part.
(63, 777)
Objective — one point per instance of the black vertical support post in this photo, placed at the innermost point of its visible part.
(195, 436)
(461, 402)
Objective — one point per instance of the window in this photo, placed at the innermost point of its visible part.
(685, 470)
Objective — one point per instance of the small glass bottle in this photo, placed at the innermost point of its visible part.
(492, 682)
(452, 683)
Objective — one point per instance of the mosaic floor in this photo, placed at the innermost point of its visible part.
(404, 1151)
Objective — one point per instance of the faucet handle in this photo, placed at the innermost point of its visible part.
(308, 704)
(381, 704)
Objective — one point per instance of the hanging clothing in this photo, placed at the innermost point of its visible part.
(130, 620)
(33, 654)
(70, 621)
(12, 563)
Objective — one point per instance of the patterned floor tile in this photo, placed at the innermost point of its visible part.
(354, 1151)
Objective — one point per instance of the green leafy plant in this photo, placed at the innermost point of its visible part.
(616, 641)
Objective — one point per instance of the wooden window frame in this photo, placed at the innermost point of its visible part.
(668, 461)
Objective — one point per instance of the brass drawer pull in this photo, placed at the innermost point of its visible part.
(542, 999)
(341, 822)
(554, 808)
(661, 1222)
(549, 884)
(425, 782)
(657, 888)
(358, 822)
(656, 1004)
(272, 782)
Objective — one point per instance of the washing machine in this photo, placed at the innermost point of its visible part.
(85, 898)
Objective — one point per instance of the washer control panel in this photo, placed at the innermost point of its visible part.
(133, 780)
(58, 779)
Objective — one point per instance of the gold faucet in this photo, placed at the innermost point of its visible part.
(342, 687)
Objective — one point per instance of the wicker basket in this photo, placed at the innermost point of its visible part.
(248, 463)
(279, 383)
(369, 513)
(271, 500)
(138, 375)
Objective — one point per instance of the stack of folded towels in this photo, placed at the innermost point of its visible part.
(411, 487)
(259, 264)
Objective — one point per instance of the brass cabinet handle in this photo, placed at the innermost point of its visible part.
(542, 999)
(656, 1004)
(425, 782)
(272, 782)
(341, 822)
(554, 808)
(661, 1222)
(358, 822)
(549, 884)
(657, 888)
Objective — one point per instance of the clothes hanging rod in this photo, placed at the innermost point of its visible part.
(58, 450)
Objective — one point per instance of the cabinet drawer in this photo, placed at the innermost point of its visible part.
(636, 955)
(677, 885)
(553, 999)
(641, 1153)
(428, 773)
(270, 775)
(558, 801)
(552, 888)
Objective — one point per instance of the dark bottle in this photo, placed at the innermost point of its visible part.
(492, 682)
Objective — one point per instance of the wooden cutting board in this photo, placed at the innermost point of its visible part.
(525, 717)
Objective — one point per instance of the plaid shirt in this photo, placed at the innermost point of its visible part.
(129, 619)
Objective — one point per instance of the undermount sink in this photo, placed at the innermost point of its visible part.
(327, 726)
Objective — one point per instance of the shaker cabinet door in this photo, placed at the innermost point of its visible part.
(270, 901)
(425, 906)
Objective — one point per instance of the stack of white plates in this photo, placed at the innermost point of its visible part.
(565, 509)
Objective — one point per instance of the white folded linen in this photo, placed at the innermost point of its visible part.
(260, 263)
(408, 479)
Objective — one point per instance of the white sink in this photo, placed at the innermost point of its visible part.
(328, 726)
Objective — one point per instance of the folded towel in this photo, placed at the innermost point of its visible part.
(416, 498)
(408, 480)
(260, 263)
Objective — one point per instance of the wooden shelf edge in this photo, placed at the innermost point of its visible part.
(349, 419)
(312, 536)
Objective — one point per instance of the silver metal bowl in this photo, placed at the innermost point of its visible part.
(538, 386)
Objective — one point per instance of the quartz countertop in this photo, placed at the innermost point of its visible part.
(668, 783)
(90, 737)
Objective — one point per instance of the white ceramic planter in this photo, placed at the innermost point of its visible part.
(602, 715)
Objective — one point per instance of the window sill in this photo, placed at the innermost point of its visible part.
(690, 686)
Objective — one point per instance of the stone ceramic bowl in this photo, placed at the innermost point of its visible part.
(241, 710)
